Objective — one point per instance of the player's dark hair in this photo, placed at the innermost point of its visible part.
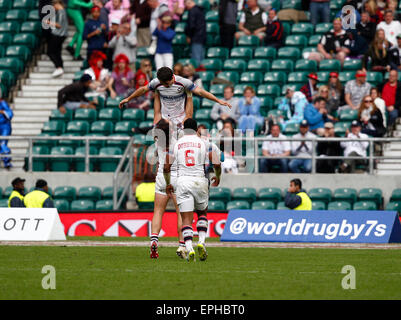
(191, 124)
(297, 182)
(163, 127)
(164, 74)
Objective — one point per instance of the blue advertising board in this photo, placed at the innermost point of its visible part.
(312, 226)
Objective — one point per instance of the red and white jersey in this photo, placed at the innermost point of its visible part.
(191, 154)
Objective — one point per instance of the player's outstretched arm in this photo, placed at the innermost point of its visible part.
(189, 106)
(138, 92)
(205, 94)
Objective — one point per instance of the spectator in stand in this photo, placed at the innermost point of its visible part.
(124, 42)
(375, 14)
(39, 197)
(188, 71)
(142, 12)
(6, 114)
(336, 93)
(310, 89)
(302, 149)
(293, 105)
(117, 9)
(74, 12)
(275, 151)
(122, 78)
(354, 148)
(176, 8)
(391, 94)
(358, 44)
(178, 69)
(16, 199)
(195, 30)
(228, 11)
(355, 90)
(378, 54)
(328, 149)
(319, 11)
(115, 25)
(95, 32)
(380, 104)
(391, 27)
(164, 52)
(333, 44)
(158, 11)
(73, 96)
(144, 72)
(274, 31)
(395, 54)
(253, 21)
(366, 28)
(56, 37)
(317, 115)
(371, 118)
(392, 5)
(99, 74)
(249, 108)
(325, 94)
(221, 113)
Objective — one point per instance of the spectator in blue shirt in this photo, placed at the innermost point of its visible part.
(95, 32)
(316, 114)
(249, 108)
(164, 51)
(6, 114)
(195, 30)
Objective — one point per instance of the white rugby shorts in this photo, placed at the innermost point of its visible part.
(192, 193)
(161, 184)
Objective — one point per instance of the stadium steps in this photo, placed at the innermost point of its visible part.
(393, 149)
(37, 97)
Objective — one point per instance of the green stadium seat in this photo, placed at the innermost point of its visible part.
(330, 65)
(231, 76)
(374, 77)
(82, 205)
(269, 90)
(95, 143)
(217, 53)
(15, 65)
(109, 114)
(105, 127)
(7, 192)
(68, 193)
(89, 115)
(104, 205)
(323, 27)
(267, 53)
(394, 206)
(125, 127)
(266, 104)
(26, 39)
(348, 115)
(69, 143)
(291, 129)
(291, 4)
(293, 86)
(212, 64)
(345, 194)
(299, 41)
(61, 204)
(80, 162)
(270, 194)
(39, 164)
(345, 76)
(19, 51)
(247, 194)
(371, 194)
(216, 205)
(92, 193)
(203, 115)
(275, 77)
(306, 65)
(212, 27)
(16, 15)
(61, 164)
(254, 77)
(217, 89)
(119, 142)
(352, 64)
(24, 4)
(212, 16)
(281, 206)
(10, 27)
(339, 205)
(258, 65)
(320, 194)
(78, 126)
(239, 88)
(5, 5)
(3, 203)
(314, 40)
(318, 205)
(6, 39)
(107, 193)
(180, 46)
(249, 41)
(33, 27)
(285, 65)
(323, 76)
(146, 205)
(340, 128)
(54, 126)
(308, 50)
(396, 195)
(189, 61)
(298, 77)
(241, 53)
(220, 193)
(112, 102)
(109, 164)
(302, 28)
(238, 205)
(180, 27)
(206, 76)
(238, 65)
(263, 205)
(45, 143)
(292, 53)
(364, 205)
(137, 115)
(336, 5)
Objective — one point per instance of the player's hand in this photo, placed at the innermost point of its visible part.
(215, 181)
(170, 190)
(124, 101)
(224, 103)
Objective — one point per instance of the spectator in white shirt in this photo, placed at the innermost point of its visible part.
(354, 148)
(391, 27)
(275, 151)
(302, 149)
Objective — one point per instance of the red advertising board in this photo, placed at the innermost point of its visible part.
(130, 224)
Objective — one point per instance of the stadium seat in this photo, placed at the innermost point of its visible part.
(211, 27)
(89, 115)
(320, 194)
(26, 39)
(215, 205)
(69, 143)
(298, 77)
(374, 78)
(263, 205)
(217, 89)
(306, 65)
(241, 53)
(275, 77)
(330, 65)
(345, 194)
(249, 41)
(82, 205)
(206, 76)
(238, 65)
(238, 205)
(61, 204)
(39, 164)
(33, 27)
(137, 115)
(220, 193)
(92, 193)
(293, 86)
(285, 65)
(339, 205)
(364, 205)
(78, 126)
(10, 27)
(24, 4)
(212, 64)
(394, 206)
(348, 115)
(109, 114)
(270, 194)
(54, 126)
(345, 76)
(3, 203)
(299, 41)
(371, 194)
(314, 40)
(68, 193)
(109, 164)
(16, 15)
(247, 194)
(268, 53)
(258, 65)
(266, 104)
(323, 27)
(80, 162)
(292, 53)
(396, 195)
(291, 129)
(104, 205)
(107, 193)
(281, 206)
(272, 90)
(19, 51)
(103, 127)
(125, 127)
(254, 77)
(217, 53)
(239, 89)
(62, 163)
(352, 64)
(302, 29)
(318, 205)
(231, 76)
(212, 16)
(340, 128)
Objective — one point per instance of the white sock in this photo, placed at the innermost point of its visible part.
(201, 227)
(188, 235)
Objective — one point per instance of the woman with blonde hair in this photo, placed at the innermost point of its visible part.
(376, 15)
(371, 118)
(378, 53)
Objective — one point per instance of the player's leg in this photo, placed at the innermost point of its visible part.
(181, 251)
(201, 205)
(188, 233)
(160, 207)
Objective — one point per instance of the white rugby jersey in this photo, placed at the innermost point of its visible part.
(191, 154)
(173, 98)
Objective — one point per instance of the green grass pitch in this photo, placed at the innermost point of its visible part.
(229, 273)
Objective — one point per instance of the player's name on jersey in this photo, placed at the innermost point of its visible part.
(189, 145)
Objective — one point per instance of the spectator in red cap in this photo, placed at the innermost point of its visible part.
(310, 88)
(122, 78)
(95, 32)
